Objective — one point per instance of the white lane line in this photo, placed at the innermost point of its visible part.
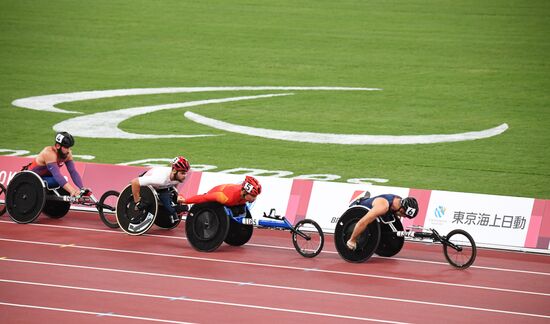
(285, 248)
(307, 290)
(276, 266)
(173, 298)
(91, 313)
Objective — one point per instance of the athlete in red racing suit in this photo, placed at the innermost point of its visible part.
(230, 194)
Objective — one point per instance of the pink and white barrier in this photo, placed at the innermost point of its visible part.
(494, 221)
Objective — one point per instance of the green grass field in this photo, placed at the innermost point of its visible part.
(444, 67)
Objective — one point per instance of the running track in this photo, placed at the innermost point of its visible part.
(75, 270)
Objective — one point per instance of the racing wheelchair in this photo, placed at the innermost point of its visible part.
(28, 195)
(135, 221)
(386, 237)
(210, 224)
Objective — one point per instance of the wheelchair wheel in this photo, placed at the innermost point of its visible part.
(367, 241)
(25, 197)
(56, 208)
(460, 249)
(308, 238)
(390, 244)
(206, 226)
(106, 208)
(132, 221)
(2, 199)
(239, 234)
(163, 219)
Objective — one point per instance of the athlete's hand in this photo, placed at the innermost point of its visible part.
(85, 192)
(181, 200)
(181, 208)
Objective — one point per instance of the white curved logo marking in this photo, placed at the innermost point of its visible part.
(351, 139)
(105, 124)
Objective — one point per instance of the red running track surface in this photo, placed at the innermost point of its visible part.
(75, 270)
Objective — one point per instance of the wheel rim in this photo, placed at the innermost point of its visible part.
(311, 246)
(464, 257)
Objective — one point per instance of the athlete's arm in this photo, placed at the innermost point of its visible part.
(50, 158)
(379, 207)
(74, 174)
(135, 189)
(216, 196)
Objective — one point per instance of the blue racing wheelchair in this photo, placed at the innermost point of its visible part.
(210, 224)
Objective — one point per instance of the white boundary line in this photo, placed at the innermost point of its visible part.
(91, 313)
(287, 248)
(276, 266)
(172, 298)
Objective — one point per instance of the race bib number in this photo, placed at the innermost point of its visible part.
(410, 211)
(248, 187)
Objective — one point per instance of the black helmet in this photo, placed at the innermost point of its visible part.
(410, 205)
(65, 139)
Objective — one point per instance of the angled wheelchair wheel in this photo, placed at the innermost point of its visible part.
(25, 197)
(206, 226)
(308, 238)
(56, 208)
(106, 208)
(2, 199)
(132, 221)
(390, 244)
(367, 241)
(239, 234)
(163, 219)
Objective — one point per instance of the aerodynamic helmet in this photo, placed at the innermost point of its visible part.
(179, 163)
(64, 139)
(252, 186)
(410, 205)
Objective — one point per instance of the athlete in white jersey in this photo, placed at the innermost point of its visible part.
(158, 178)
(164, 180)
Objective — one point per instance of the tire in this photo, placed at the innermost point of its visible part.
(106, 208)
(55, 208)
(312, 244)
(367, 242)
(390, 244)
(25, 197)
(136, 222)
(466, 256)
(206, 226)
(239, 234)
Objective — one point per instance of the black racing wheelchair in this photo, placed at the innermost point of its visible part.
(136, 221)
(28, 195)
(210, 224)
(386, 237)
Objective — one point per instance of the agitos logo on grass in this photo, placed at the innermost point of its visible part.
(105, 124)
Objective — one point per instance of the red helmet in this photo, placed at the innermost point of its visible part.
(252, 186)
(179, 163)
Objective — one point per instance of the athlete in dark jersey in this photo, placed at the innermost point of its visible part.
(48, 162)
(380, 206)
